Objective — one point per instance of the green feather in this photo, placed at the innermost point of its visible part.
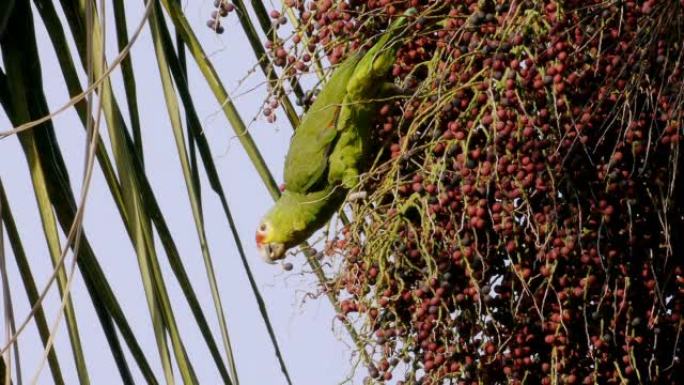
(295, 217)
(330, 147)
(312, 142)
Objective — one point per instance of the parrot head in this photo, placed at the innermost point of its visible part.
(293, 219)
(269, 250)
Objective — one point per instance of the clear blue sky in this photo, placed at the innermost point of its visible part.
(315, 348)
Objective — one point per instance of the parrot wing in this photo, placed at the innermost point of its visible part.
(312, 142)
(368, 82)
(354, 81)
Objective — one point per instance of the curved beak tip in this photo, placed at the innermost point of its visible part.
(269, 253)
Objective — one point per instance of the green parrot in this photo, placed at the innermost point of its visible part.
(330, 147)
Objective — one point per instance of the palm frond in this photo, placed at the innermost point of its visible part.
(119, 153)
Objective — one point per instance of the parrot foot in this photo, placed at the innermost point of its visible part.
(350, 179)
(356, 196)
(390, 90)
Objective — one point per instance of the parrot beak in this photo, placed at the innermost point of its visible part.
(271, 252)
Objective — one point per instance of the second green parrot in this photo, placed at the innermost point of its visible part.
(330, 147)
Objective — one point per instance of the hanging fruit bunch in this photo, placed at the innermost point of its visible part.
(524, 221)
(221, 9)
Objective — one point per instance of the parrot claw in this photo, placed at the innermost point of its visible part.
(391, 90)
(359, 195)
(350, 179)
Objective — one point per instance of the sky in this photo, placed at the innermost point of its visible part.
(315, 347)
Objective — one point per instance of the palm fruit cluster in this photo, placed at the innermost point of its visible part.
(221, 9)
(524, 221)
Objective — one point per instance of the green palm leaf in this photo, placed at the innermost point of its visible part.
(111, 118)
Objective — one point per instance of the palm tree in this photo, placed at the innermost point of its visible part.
(520, 209)
(113, 115)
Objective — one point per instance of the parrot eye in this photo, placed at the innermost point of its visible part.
(262, 227)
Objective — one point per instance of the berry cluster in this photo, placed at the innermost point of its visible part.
(524, 220)
(223, 8)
